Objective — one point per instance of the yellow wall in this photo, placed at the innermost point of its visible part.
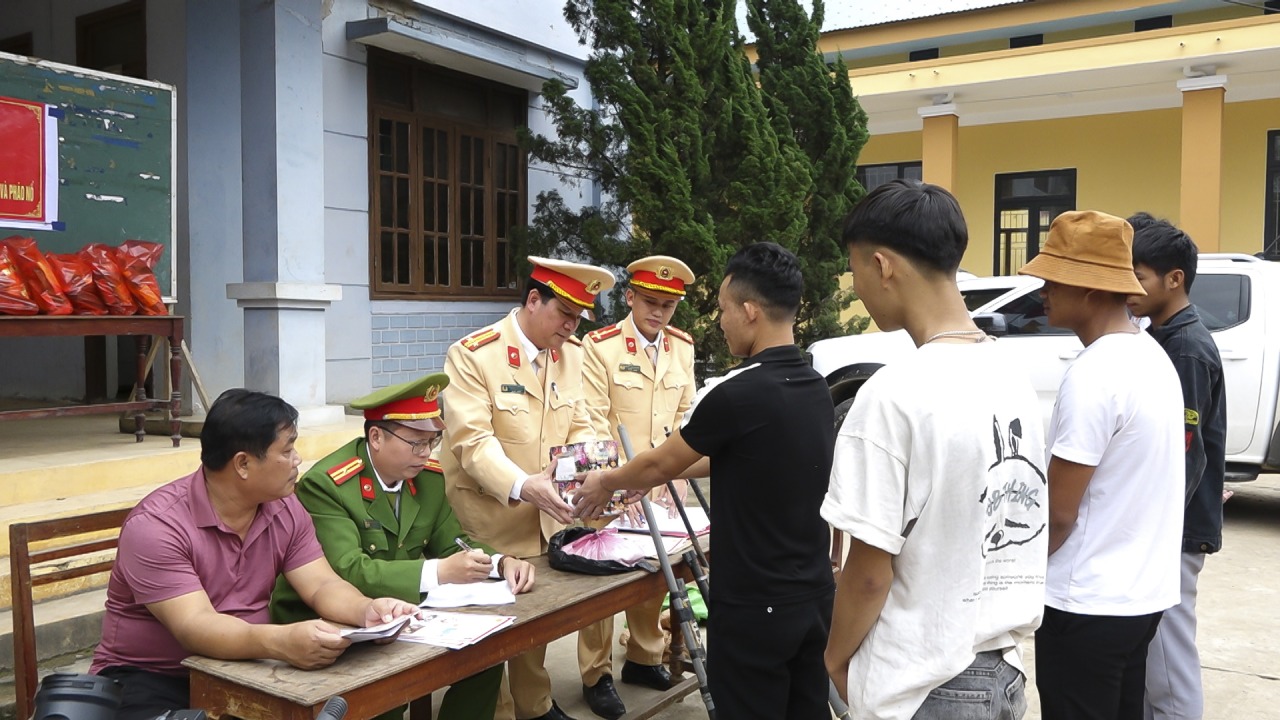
(1124, 163)
(1244, 153)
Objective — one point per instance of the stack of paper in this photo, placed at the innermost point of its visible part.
(454, 630)
(376, 632)
(672, 526)
(451, 595)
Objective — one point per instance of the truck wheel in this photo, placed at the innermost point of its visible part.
(842, 410)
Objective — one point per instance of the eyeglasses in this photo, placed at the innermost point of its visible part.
(417, 447)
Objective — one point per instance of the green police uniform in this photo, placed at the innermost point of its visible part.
(381, 554)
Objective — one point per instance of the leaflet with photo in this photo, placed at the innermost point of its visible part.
(569, 460)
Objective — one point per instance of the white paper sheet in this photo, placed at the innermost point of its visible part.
(451, 595)
(454, 630)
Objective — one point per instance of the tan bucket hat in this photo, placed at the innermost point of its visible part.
(1088, 249)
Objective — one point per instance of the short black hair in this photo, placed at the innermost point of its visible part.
(1161, 246)
(920, 221)
(544, 292)
(768, 274)
(242, 421)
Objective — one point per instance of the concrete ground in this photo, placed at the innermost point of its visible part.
(1239, 633)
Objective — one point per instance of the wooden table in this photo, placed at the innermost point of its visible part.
(141, 326)
(376, 678)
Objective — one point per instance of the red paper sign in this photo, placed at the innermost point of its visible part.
(22, 160)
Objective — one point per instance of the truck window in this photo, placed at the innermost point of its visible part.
(1025, 316)
(974, 299)
(1223, 300)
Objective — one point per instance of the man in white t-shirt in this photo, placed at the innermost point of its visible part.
(1115, 479)
(939, 480)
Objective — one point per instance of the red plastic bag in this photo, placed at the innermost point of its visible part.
(136, 259)
(77, 280)
(15, 299)
(42, 283)
(109, 279)
(147, 252)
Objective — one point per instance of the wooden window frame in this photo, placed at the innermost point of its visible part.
(20, 44)
(455, 128)
(860, 172)
(1019, 202)
(1271, 216)
(90, 22)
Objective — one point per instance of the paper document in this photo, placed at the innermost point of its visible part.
(376, 632)
(672, 526)
(642, 545)
(451, 595)
(454, 630)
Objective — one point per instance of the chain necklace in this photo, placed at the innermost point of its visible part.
(959, 333)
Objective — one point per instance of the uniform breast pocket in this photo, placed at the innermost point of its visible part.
(627, 383)
(672, 388)
(373, 542)
(560, 410)
(511, 418)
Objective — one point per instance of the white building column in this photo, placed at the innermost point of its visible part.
(284, 295)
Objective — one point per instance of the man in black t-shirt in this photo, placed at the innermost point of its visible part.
(766, 433)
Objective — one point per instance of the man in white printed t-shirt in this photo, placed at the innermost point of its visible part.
(1115, 479)
(939, 480)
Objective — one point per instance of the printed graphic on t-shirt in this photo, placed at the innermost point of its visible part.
(1016, 490)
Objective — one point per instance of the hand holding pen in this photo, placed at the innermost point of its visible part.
(470, 565)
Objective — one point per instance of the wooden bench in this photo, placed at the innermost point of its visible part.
(79, 537)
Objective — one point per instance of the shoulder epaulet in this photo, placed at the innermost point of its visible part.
(480, 339)
(604, 333)
(345, 470)
(678, 333)
(433, 465)
(575, 340)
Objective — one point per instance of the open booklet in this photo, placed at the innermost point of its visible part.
(670, 526)
(454, 630)
(376, 632)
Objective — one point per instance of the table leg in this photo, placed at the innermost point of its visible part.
(140, 418)
(676, 664)
(175, 384)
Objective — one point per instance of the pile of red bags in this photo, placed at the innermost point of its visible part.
(98, 280)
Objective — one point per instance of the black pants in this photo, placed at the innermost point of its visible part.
(766, 662)
(1092, 667)
(148, 694)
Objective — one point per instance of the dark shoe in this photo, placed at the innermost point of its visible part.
(555, 713)
(603, 699)
(652, 676)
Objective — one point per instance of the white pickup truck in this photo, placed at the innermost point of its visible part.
(1238, 297)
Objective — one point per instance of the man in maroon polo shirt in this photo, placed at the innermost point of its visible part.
(198, 558)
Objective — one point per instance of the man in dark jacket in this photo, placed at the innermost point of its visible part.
(1164, 259)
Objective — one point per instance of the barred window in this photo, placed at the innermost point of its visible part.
(447, 182)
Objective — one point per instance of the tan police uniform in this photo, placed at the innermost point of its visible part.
(624, 387)
(503, 422)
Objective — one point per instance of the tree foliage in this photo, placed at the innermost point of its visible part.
(695, 156)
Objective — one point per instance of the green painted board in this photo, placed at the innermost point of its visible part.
(116, 157)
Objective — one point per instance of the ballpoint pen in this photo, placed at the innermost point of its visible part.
(463, 544)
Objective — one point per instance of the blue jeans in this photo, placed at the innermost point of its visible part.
(989, 689)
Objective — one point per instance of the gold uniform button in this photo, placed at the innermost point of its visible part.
(372, 547)
(401, 545)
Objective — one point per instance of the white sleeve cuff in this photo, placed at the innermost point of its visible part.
(517, 487)
(430, 576)
(493, 570)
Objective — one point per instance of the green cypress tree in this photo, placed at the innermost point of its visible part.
(813, 103)
(686, 157)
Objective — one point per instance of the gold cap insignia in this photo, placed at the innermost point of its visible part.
(594, 287)
(664, 272)
(432, 393)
